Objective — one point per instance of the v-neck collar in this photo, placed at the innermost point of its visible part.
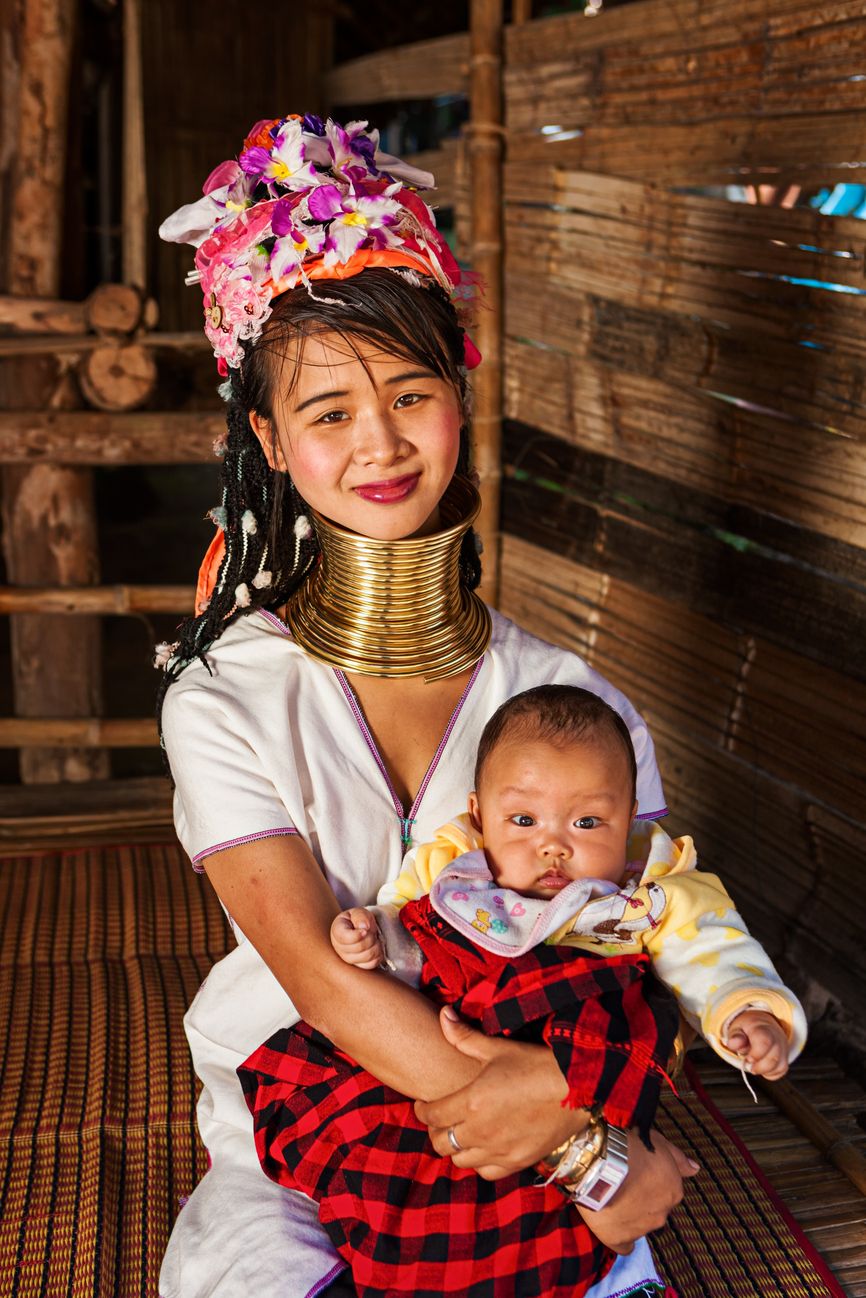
(406, 822)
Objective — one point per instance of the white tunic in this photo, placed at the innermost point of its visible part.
(274, 743)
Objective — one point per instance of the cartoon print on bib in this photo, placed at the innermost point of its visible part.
(629, 911)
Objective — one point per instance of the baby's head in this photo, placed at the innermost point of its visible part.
(554, 791)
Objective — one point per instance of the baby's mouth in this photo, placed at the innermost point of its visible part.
(555, 882)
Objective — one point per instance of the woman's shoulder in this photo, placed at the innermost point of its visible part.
(525, 657)
(252, 657)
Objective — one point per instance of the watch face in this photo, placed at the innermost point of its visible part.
(600, 1190)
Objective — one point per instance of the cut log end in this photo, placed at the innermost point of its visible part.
(114, 308)
(118, 377)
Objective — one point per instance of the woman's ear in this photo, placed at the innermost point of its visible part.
(475, 813)
(269, 442)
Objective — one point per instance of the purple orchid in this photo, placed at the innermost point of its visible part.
(295, 242)
(352, 219)
(352, 152)
(285, 162)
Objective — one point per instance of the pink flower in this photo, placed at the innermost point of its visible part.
(352, 219)
(284, 162)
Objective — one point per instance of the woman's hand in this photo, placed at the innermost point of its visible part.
(512, 1115)
(653, 1186)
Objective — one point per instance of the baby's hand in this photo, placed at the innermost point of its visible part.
(761, 1041)
(355, 938)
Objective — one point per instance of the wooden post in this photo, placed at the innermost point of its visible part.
(521, 11)
(49, 534)
(486, 134)
(134, 173)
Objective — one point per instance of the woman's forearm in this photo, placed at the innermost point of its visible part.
(281, 901)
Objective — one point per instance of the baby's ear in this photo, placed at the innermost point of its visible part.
(475, 812)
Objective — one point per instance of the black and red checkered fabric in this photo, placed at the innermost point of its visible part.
(410, 1222)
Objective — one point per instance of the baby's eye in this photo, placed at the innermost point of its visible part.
(588, 822)
(523, 821)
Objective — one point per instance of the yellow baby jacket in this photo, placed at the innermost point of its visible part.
(680, 916)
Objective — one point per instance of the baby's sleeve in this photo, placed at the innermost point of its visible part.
(703, 951)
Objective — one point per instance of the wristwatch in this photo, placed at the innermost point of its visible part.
(590, 1167)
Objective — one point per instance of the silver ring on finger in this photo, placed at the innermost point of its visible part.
(453, 1142)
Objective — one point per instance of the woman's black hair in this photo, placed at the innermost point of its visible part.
(260, 509)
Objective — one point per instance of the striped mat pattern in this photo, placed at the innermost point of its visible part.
(100, 953)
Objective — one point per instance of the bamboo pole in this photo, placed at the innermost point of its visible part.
(103, 600)
(835, 1147)
(134, 171)
(485, 142)
(78, 732)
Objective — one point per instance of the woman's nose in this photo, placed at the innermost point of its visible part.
(379, 442)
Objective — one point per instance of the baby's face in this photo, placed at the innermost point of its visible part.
(551, 814)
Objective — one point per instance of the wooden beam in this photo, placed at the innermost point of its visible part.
(61, 343)
(485, 143)
(49, 520)
(42, 315)
(134, 200)
(419, 71)
(521, 11)
(34, 817)
(36, 224)
(105, 600)
(94, 437)
(78, 732)
(833, 1145)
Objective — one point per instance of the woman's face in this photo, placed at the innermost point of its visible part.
(370, 440)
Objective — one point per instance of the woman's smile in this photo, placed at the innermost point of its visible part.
(389, 490)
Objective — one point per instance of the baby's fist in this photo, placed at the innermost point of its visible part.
(761, 1041)
(355, 938)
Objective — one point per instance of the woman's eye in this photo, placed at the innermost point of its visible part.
(334, 417)
(410, 399)
(588, 822)
(523, 821)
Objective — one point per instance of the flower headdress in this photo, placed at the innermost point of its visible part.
(305, 201)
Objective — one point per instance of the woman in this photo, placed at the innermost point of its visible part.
(325, 704)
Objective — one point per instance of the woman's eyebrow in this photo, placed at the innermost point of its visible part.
(321, 396)
(411, 374)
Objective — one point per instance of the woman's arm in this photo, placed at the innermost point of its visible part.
(282, 902)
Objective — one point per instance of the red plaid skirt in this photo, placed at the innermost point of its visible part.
(407, 1220)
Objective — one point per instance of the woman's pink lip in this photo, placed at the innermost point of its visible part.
(390, 490)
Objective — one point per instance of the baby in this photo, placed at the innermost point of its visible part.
(538, 915)
(549, 852)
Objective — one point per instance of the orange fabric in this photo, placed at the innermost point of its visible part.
(207, 573)
(360, 260)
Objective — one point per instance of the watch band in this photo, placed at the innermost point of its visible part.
(590, 1167)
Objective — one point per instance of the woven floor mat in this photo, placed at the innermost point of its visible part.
(101, 952)
(731, 1237)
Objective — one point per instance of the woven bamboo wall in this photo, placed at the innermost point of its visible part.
(689, 432)
(685, 493)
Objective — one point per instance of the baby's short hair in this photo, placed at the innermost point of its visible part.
(559, 713)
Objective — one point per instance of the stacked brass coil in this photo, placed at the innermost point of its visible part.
(394, 608)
